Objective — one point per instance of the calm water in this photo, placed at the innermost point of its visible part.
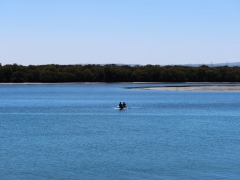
(72, 131)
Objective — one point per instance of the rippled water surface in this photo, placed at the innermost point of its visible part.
(72, 131)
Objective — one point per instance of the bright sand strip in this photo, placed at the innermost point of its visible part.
(196, 88)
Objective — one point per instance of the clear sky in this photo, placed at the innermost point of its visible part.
(119, 31)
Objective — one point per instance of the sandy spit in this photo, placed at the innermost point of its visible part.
(196, 88)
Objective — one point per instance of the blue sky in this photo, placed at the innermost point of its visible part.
(119, 31)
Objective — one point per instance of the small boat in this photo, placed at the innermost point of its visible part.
(124, 108)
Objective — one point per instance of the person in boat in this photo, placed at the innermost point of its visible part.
(120, 105)
(124, 104)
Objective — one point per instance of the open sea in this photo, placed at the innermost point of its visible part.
(73, 131)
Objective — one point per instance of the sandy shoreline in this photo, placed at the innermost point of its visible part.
(196, 88)
(189, 86)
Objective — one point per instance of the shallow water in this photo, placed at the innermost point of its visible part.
(72, 131)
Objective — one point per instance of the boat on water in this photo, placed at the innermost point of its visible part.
(122, 106)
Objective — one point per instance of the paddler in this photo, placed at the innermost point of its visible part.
(120, 105)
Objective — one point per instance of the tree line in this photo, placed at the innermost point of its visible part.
(54, 73)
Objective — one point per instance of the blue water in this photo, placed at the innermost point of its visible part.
(72, 131)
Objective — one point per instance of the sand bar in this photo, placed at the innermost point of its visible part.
(196, 88)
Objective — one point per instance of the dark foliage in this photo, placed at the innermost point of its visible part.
(113, 73)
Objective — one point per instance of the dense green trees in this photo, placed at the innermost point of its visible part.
(114, 73)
